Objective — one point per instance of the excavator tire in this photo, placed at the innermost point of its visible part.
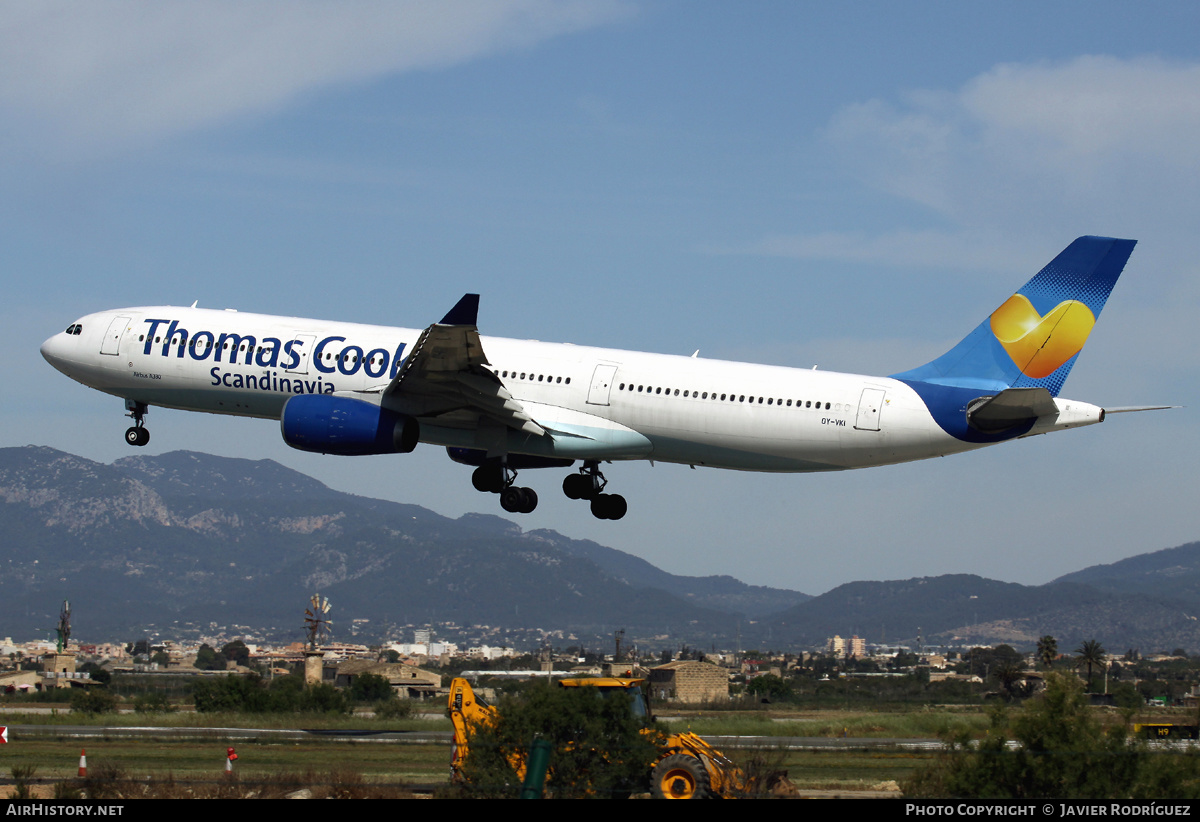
(679, 776)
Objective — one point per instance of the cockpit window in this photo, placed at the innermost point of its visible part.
(75, 329)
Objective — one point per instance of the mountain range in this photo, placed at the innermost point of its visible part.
(192, 544)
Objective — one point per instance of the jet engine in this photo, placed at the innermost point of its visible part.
(339, 425)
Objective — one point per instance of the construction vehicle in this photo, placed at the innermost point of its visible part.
(686, 767)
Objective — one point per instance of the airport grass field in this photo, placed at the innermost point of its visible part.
(51, 745)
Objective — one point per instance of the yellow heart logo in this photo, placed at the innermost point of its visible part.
(1040, 345)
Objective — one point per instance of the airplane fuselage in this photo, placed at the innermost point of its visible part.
(623, 404)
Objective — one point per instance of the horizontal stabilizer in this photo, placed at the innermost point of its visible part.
(1125, 409)
(1010, 407)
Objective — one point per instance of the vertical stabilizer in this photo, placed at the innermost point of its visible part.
(1033, 339)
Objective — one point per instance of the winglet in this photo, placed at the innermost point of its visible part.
(465, 311)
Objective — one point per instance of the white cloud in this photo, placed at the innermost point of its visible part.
(105, 73)
(1042, 152)
(1093, 108)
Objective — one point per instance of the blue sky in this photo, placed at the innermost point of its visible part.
(848, 185)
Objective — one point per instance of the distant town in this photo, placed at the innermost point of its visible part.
(421, 669)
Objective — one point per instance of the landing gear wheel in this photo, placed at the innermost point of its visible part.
(609, 506)
(488, 479)
(511, 499)
(617, 506)
(679, 776)
(136, 435)
(579, 486)
(516, 500)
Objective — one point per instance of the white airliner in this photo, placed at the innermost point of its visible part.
(503, 405)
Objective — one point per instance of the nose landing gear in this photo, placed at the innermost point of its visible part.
(589, 484)
(137, 433)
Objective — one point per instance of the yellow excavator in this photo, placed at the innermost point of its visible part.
(686, 767)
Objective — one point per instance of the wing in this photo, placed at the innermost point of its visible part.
(444, 377)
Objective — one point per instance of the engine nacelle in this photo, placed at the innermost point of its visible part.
(339, 425)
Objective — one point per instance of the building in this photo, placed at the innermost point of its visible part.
(408, 681)
(689, 681)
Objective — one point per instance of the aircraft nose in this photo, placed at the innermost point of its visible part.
(52, 351)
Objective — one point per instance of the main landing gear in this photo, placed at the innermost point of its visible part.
(589, 484)
(498, 478)
(495, 477)
(137, 433)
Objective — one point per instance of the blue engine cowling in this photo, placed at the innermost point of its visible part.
(340, 425)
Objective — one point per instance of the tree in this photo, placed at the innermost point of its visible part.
(96, 673)
(368, 687)
(236, 652)
(208, 660)
(1061, 751)
(599, 747)
(250, 694)
(1047, 651)
(1008, 673)
(770, 687)
(92, 701)
(1092, 654)
(983, 661)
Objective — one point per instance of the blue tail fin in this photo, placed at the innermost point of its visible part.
(1032, 340)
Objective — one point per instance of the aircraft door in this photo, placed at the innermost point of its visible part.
(602, 379)
(302, 346)
(868, 409)
(111, 344)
